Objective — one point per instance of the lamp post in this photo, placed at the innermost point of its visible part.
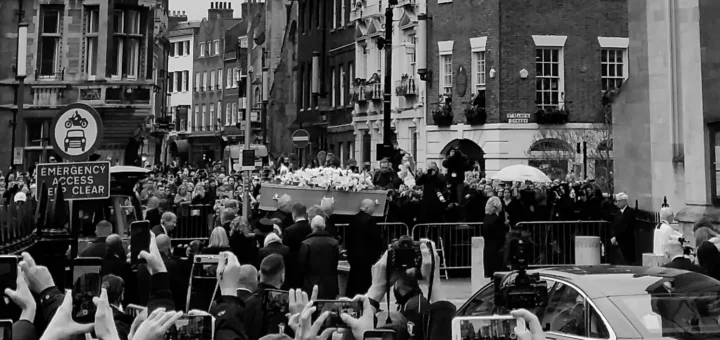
(20, 74)
(265, 96)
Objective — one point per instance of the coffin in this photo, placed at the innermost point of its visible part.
(346, 203)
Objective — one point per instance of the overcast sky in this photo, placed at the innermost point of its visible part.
(197, 9)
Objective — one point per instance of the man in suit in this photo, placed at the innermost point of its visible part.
(273, 245)
(98, 247)
(293, 238)
(675, 253)
(167, 224)
(115, 287)
(623, 230)
(364, 247)
(318, 261)
(237, 283)
(178, 284)
(257, 321)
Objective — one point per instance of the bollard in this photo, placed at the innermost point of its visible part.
(477, 271)
(652, 260)
(587, 250)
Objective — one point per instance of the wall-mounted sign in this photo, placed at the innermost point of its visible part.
(461, 80)
(79, 181)
(18, 157)
(518, 118)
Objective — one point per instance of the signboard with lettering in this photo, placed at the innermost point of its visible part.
(79, 181)
(518, 118)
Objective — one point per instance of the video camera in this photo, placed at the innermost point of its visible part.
(404, 254)
(520, 289)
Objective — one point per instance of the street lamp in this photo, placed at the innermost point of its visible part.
(20, 74)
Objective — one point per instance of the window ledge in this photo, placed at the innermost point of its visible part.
(445, 1)
(549, 40)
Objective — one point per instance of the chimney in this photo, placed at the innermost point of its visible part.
(220, 10)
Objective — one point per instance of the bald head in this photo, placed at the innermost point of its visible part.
(163, 243)
(248, 277)
(367, 206)
(317, 223)
(673, 249)
(113, 239)
(103, 229)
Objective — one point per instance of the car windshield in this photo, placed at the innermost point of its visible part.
(75, 134)
(673, 310)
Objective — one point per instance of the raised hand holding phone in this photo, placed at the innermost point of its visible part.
(62, 325)
(104, 322)
(22, 297)
(528, 325)
(363, 323)
(309, 330)
(38, 277)
(154, 261)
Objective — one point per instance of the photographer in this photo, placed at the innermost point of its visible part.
(432, 182)
(456, 164)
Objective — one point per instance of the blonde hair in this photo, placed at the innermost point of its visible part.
(219, 238)
(703, 234)
(493, 206)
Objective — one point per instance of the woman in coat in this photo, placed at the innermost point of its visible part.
(494, 231)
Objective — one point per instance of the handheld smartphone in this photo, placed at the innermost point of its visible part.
(380, 334)
(139, 239)
(6, 329)
(191, 327)
(8, 272)
(495, 327)
(86, 285)
(276, 301)
(336, 307)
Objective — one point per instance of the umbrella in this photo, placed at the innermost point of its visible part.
(521, 173)
(128, 169)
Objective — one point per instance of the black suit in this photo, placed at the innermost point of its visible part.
(256, 320)
(158, 230)
(274, 248)
(365, 245)
(153, 216)
(623, 229)
(95, 249)
(293, 238)
(318, 261)
(684, 264)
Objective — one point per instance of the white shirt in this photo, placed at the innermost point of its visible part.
(663, 234)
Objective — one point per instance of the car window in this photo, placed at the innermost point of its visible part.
(483, 303)
(565, 312)
(596, 328)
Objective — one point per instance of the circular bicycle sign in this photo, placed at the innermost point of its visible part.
(76, 131)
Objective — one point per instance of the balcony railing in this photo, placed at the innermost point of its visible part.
(357, 94)
(407, 2)
(49, 96)
(406, 87)
(374, 92)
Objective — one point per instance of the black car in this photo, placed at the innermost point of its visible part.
(619, 302)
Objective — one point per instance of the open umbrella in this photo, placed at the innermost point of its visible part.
(521, 173)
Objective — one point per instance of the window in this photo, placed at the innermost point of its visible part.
(50, 40)
(366, 148)
(92, 25)
(236, 75)
(565, 312)
(714, 153)
(351, 77)
(364, 63)
(186, 81)
(613, 72)
(218, 85)
(173, 46)
(478, 71)
(212, 80)
(178, 80)
(413, 142)
(203, 126)
(333, 84)
(343, 81)
(228, 114)
(211, 123)
(204, 81)
(196, 118)
(410, 41)
(34, 133)
(229, 82)
(217, 47)
(446, 73)
(197, 81)
(549, 86)
(181, 48)
(234, 113)
(597, 328)
(342, 12)
(202, 49)
(335, 20)
(127, 39)
(187, 47)
(301, 89)
(171, 82)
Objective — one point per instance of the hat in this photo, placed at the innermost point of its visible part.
(264, 226)
(621, 197)
(20, 197)
(271, 238)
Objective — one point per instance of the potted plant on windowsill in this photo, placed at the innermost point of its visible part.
(554, 115)
(443, 114)
(475, 113)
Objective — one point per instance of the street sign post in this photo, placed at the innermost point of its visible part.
(79, 181)
(76, 132)
(301, 138)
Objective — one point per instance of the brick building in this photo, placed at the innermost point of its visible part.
(71, 58)
(205, 137)
(539, 69)
(325, 30)
(233, 64)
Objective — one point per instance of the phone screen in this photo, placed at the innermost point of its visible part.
(486, 328)
(276, 301)
(86, 285)
(190, 327)
(139, 239)
(336, 307)
(6, 329)
(8, 272)
(379, 334)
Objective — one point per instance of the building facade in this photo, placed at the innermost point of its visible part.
(408, 90)
(234, 94)
(205, 139)
(523, 82)
(325, 109)
(100, 53)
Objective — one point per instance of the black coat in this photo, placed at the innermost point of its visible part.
(364, 244)
(153, 216)
(97, 248)
(244, 247)
(293, 238)
(318, 262)
(157, 229)
(274, 248)
(623, 229)
(257, 321)
(228, 313)
(494, 232)
(684, 264)
(122, 323)
(286, 218)
(456, 167)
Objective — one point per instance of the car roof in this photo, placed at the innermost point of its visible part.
(607, 281)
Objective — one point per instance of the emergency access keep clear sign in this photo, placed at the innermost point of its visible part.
(79, 181)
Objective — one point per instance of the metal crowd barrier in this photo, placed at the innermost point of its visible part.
(194, 221)
(551, 243)
(390, 231)
(17, 223)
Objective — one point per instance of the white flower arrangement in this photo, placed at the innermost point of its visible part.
(328, 179)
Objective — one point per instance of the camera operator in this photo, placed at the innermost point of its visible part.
(432, 182)
(456, 164)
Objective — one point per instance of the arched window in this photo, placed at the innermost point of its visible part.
(550, 145)
(551, 155)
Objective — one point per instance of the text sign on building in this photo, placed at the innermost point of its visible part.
(518, 118)
(79, 181)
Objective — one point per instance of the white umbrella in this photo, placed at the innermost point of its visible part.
(521, 173)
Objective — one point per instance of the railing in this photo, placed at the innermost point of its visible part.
(357, 94)
(406, 87)
(48, 95)
(194, 221)
(17, 224)
(390, 231)
(552, 243)
(373, 91)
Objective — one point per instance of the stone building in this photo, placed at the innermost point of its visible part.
(667, 121)
(523, 82)
(100, 53)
